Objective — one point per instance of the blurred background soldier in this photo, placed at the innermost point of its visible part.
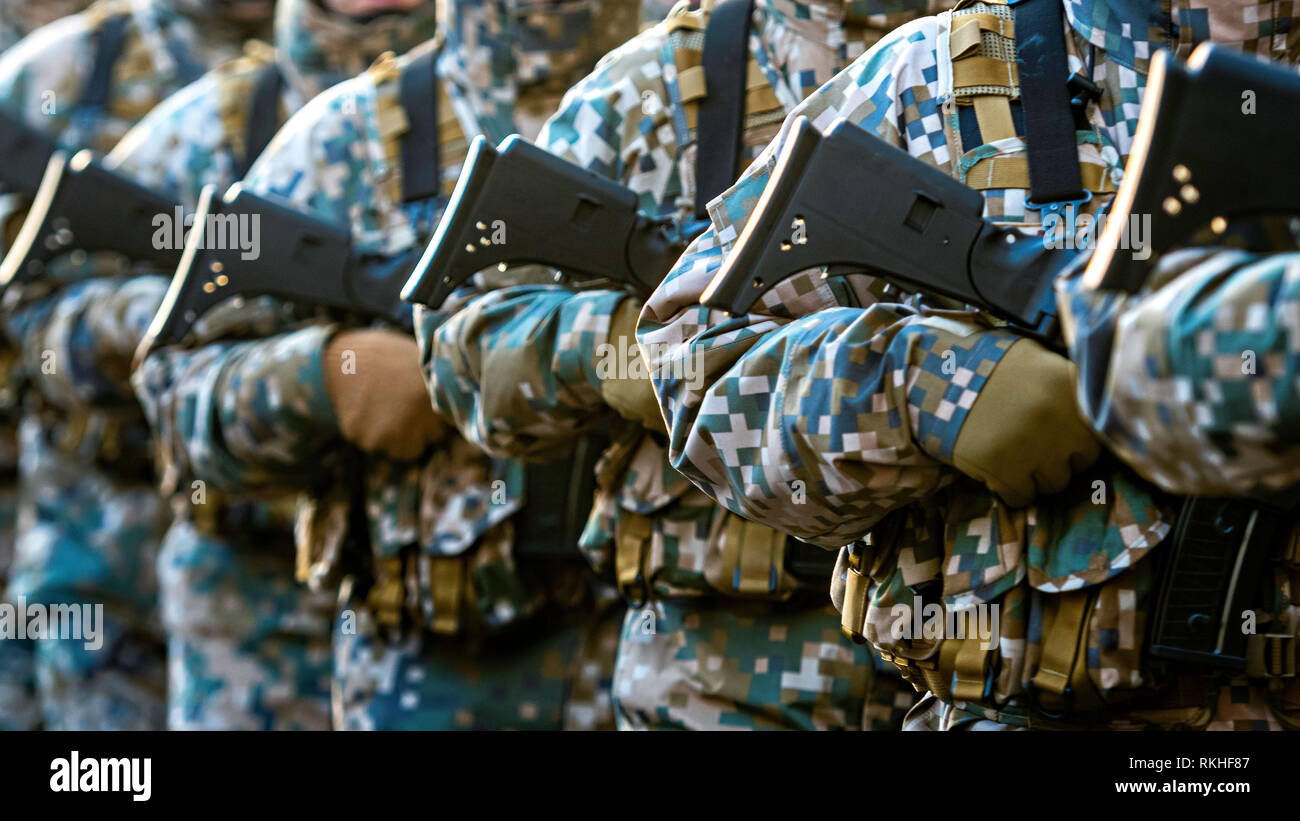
(247, 648)
(90, 516)
(18, 18)
(955, 443)
(455, 612)
(736, 631)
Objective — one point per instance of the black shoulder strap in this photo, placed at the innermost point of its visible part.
(722, 111)
(1054, 177)
(109, 40)
(418, 93)
(263, 114)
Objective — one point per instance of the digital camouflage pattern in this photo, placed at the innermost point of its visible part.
(247, 411)
(247, 648)
(779, 665)
(89, 518)
(1197, 372)
(825, 387)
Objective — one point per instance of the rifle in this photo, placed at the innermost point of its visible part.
(83, 205)
(26, 152)
(308, 262)
(866, 206)
(927, 233)
(520, 204)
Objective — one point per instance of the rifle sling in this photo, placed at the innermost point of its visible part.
(722, 110)
(1044, 94)
(263, 115)
(421, 164)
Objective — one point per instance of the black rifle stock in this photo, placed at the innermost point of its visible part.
(82, 205)
(849, 201)
(1187, 169)
(25, 152)
(551, 212)
(304, 260)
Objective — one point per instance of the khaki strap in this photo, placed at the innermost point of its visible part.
(853, 615)
(690, 82)
(984, 71)
(631, 552)
(970, 668)
(1062, 638)
(993, 113)
(446, 584)
(386, 595)
(1013, 172)
(753, 556)
(1271, 655)
(966, 37)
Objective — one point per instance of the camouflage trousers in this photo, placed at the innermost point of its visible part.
(19, 707)
(555, 677)
(247, 647)
(713, 664)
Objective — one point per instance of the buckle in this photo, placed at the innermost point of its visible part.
(1066, 210)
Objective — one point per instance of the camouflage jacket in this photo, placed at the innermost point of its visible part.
(826, 389)
(548, 340)
(1197, 389)
(247, 410)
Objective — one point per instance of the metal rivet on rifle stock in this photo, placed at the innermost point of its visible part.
(785, 246)
(482, 226)
(1218, 225)
(217, 267)
(469, 249)
(223, 281)
(1189, 194)
(501, 266)
(64, 236)
(484, 241)
(208, 287)
(1182, 173)
(758, 282)
(1172, 206)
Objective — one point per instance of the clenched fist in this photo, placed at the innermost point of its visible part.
(374, 381)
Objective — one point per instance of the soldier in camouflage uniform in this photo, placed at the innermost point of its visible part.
(952, 470)
(18, 18)
(247, 647)
(731, 637)
(444, 622)
(89, 517)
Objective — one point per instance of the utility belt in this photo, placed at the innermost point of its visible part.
(752, 561)
(528, 565)
(1219, 565)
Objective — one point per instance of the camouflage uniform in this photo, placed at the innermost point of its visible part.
(728, 639)
(826, 384)
(18, 18)
(247, 647)
(440, 624)
(89, 518)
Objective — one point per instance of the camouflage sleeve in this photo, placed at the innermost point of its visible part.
(1196, 381)
(79, 341)
(181, 145)
(823, 409)
(255, 413)
(243, 415)
(516, 368)
(42, 75)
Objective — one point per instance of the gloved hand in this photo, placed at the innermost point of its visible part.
(1024, 436)
(632, 398)
(375, 384)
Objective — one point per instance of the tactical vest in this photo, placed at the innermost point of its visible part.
(996, 139)
(731, 112)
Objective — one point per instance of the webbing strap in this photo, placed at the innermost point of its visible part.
(263, 115)
(421, 163)
(110, 39)
(1044, 94)
(722, 111)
